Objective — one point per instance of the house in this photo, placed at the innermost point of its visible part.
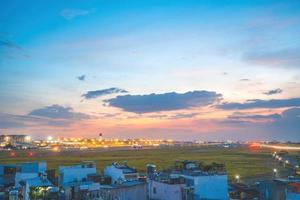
(70, 178)
(207, 185)
(89, 191)
(293, 191)
(80, 190)
(23, 176)
(8, 171)
(188, 180)
(129, 190)
(166, 186)
(120, 172)
(75, 173)
(272, 189)
(206, 181)
(38, 188)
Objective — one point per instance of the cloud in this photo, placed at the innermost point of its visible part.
(244, 79)
(58, 112)
(276, 58)
(163, 102)
(98, 93)
(291, 113)
(288, 126)
(173, 116)
(275, 91)
(183, 116)
(10, 121)
(270, 22)
(281, 126)
(81, 78)
(247, 117)
(258, 103)
(10, 49)
(71, 13)
(49, 116)
(9, 44)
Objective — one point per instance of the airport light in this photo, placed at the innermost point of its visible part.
(7, 138)
(49, 138)
(13, 154)
(55, 149)
(27, 138)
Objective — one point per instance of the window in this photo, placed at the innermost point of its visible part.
(154, 190)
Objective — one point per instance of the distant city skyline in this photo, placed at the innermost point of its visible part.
(183, 70)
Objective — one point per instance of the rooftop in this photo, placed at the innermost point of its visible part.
(84, 164)
(38, 182)
(123, 184)
(174, 174)
(125, 168)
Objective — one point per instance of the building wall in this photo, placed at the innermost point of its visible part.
(13, 138)
(114, 173)
(270, 189)
(30, 167)
(23, 176)
(68, 175)
(292, 196)
(36, 167)
(137, 192)
(210, 187)
(163, 191)
(26, 192)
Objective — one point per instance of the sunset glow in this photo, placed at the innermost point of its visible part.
(184, 70)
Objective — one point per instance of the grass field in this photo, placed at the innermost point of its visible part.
(247, 163)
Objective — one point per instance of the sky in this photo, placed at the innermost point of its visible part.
(183, 70)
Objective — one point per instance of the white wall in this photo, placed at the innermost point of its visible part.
(114, 173)
(67, 175)
(137, 192)
(165, 191)
(210, 187)
(34, 167)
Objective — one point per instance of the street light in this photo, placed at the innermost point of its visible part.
(275, 172)
(237, 178)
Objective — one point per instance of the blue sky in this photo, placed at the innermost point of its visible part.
(159, 53)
